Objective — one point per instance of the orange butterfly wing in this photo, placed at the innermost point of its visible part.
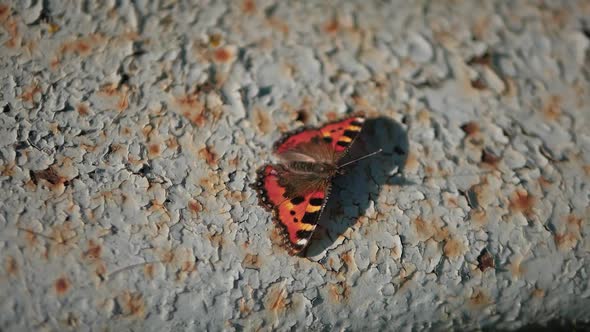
(339, 134)
(297, 216)
(299, 213)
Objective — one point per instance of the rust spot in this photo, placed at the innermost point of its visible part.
(154, 150)
(482, 60)
(93, 252)
(586, 169)
(339, 292)
(574, 222)
(453, 247)
(566, 241)
(470, 128)
(82, 109)
(485, 260)
(8, 169)
(552, 109)
(49, 175)
(149, 270)
(132, 304)
(215, 39)
(516, 267)
(11, 26)
(479, 299)
(249, 6)
(222, 55)
(262, 120)
(4, 12)
(488, 157)
(209, 155)
(251, 261)
(29, 94)
(521, 201)
(276, 299)
(332, 26)
(478, 217)
(11, 266)
(195, 206)
(172, 143)
(62, 285)
(538, 293)
(478, 84)
(244, 308)
(192, 109)
(82, 46)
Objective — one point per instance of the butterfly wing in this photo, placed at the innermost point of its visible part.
(297, 200)
(338, 135)
(297, 210)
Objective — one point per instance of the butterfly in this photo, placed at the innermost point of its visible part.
(296, 189)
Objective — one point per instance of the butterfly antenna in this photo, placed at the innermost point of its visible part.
(361, 158)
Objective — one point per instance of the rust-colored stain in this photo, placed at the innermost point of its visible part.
(489, 158)
(453, 247)
(209, 155)
(482, 60)
(522, 201)
(8, 169)
(121, 92)
(61, 285)
(192, 109)
(223, 55)
(574, 222)
(82, 109)
(552, 109)
(478, 217)
(216, 240)
(30, 92)
(11, 266)
(332, 26)
(566, 241)
(249, 6)
(149, 270)
(82, 46)
(132, 304)
(538, 293)
(252, 261)
(11, 26)
(215, 39)
(339, 292)
(4, 12)
(277, 298)
(426, 229)
(485, 260)
(154, 150)
(245, 309)
(262, 120)
(480, 27)
(172, 143)
(470, 128)
(586, 169)
(478, 84)
(412, 162)
(53, 180)
(479, 299)
(516, 267)
(195, 206)
(93, 251)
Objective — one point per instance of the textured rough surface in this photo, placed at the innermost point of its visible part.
(131, 131)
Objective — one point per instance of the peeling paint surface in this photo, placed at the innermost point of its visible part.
(130, 133)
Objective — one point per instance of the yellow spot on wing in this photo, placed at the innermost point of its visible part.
(306, 227)
(312, 208)
(354, 128)
(345, 139)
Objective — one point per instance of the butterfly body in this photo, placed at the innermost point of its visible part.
(296, 189)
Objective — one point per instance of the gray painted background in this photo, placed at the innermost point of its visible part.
(130, 133)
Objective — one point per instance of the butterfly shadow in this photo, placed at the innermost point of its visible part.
(359, 185)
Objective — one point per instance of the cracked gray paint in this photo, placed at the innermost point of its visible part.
(130, 132)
